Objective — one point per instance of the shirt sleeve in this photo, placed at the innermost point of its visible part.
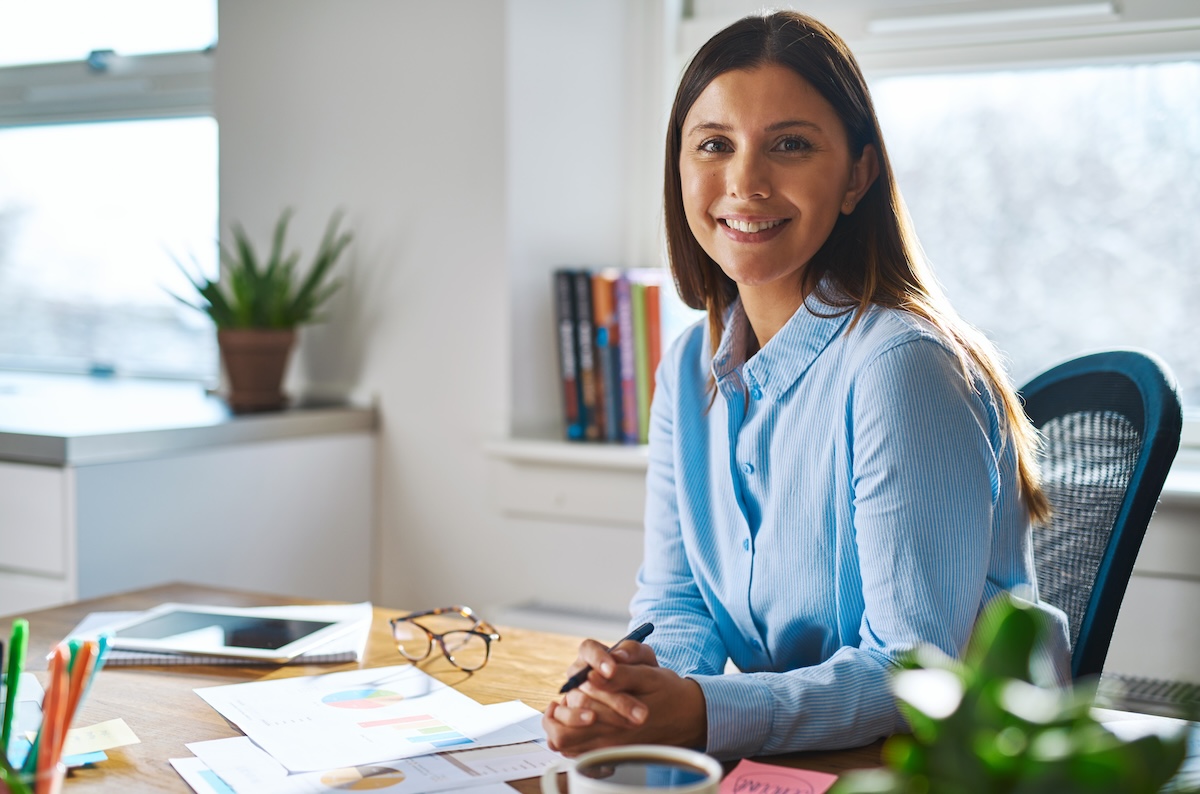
(685, 637)
(924, 479)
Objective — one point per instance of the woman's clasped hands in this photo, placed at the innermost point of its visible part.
(626, 699)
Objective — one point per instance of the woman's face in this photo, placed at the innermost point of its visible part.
(765, 168)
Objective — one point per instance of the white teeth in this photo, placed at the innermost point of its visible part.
(745, 226)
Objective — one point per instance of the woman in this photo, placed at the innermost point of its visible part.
(838, 469)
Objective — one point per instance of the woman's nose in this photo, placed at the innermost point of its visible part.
(748, 176)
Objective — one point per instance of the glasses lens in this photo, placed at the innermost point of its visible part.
(466, 649)
(411, 640)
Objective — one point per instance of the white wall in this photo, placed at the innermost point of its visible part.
(469, 167)
(393, 109)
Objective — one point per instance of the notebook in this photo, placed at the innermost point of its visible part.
(346, 648)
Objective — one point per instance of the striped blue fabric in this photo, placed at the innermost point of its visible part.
(847, 496)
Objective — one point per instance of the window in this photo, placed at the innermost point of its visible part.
(108, 174)
(1058, 206)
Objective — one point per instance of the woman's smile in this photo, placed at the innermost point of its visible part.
(752, 231)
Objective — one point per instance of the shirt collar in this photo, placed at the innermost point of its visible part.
(789, 353)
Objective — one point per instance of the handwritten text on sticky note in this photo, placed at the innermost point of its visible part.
(101, 736)
(749, 777)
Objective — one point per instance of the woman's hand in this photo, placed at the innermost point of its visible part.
(626, 699)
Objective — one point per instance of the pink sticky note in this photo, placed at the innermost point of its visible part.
(749, 777)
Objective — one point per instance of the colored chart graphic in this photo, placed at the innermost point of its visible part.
(422, 729)
(362, 699)
(363, 778)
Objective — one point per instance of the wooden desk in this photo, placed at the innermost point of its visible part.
(160, 707)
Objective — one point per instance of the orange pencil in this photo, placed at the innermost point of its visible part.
(82, 665)
(53, 708)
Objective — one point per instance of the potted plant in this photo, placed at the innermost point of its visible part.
(981, 726)
(257, 304)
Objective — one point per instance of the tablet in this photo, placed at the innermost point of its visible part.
(246, 633)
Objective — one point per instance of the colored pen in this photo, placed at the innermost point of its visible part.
(637, 635)
(16, 663)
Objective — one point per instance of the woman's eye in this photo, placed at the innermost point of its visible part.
(793, 145)
(714, 146)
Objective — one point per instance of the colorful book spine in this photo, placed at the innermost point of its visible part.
(641, 356)
(608, 355)
(568, 352)
(627, 356)
(586, 340)
(653, 337)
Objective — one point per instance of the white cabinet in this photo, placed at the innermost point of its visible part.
(100, 501)
(35, 525)
(291, 516)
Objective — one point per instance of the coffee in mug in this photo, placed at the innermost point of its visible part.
(637, 769)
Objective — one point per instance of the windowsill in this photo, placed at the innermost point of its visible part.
(69, 420)
(580, 454)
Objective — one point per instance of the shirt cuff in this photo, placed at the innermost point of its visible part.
(739, 709)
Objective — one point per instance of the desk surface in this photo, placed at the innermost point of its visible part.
(160, 707)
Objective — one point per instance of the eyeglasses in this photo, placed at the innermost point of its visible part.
(465, 638)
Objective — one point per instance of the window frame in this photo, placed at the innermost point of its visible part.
(107, 87)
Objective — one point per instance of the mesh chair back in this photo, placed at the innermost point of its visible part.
(1111, 424)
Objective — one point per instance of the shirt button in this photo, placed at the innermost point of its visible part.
(755, 645)
(756, 393)
(746, 544)
(748, 468)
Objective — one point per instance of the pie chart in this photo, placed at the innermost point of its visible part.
(363, 778)
(362, 699)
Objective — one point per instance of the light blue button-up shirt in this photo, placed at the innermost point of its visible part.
(847, 496)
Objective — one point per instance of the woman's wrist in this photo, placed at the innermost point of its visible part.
(695, 716)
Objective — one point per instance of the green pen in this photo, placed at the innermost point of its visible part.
(16, 662)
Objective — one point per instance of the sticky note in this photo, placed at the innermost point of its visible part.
(749, 777)
(101, 736)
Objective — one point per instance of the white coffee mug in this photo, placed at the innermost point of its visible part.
(637, 769)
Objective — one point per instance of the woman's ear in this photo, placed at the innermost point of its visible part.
(862, 175)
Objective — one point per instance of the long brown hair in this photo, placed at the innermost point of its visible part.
(872, 255)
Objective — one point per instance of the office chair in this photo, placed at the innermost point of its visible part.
(1111, 423)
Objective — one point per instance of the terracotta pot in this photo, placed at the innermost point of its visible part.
(255, 360)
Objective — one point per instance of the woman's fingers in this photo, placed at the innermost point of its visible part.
(594, 655)
(635, 653)
(626, 706)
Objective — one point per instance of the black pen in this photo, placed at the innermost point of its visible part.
(637, 635)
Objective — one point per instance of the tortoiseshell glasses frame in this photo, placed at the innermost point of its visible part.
(468, 649)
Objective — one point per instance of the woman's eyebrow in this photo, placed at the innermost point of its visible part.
(716, 126)
(784, 125)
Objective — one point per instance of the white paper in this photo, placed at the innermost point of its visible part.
(202, 779)
(247, 769)
(360, 717)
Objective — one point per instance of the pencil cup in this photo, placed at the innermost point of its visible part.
(637, 769)
(48, 782)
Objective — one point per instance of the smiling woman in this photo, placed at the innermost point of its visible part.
(838, 469)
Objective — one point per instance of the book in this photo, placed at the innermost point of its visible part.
(345, 648)
(628, 360)
(568, 352)
(653, 339)
(608, 354)
(644, 293)
(586, 341)
(637, 291)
